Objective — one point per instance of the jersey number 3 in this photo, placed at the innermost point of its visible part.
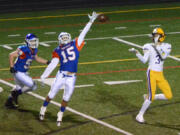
(68, 54)
(158, 59)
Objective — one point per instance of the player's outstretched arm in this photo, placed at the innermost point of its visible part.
(41, 60)
(50, 68)
(82, 35)
(144, 58)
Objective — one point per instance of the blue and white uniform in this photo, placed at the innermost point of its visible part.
(22, 63)
(67, 55)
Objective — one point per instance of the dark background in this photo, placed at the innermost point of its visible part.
(7, 6)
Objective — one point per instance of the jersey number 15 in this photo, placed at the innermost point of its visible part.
(68, 54)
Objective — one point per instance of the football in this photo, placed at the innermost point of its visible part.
(102, 18)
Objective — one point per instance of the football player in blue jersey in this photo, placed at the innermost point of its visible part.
(25, 54)
(67, 54)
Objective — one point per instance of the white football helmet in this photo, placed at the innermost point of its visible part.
(32, 41)
(64, 38)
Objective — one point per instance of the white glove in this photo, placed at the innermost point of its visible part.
(133, 50)
(93, 17)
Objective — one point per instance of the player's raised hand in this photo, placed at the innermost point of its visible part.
(133, 50)
(93, 17)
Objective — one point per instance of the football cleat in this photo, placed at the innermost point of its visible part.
(140, 119)
(15, 95)
(59, 118)
(41, 117)
(42, 113)
(9, 103)
(58, 123)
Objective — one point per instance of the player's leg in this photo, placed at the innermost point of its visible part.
(151, 92)
(165, 88)
(57, 84)
(14, 94)
(69, 89)
(26, 83)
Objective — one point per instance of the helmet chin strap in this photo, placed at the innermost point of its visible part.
(156, 39)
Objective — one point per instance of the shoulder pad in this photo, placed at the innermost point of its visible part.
(147, 46)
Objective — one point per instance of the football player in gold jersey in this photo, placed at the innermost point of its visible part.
(154, 53)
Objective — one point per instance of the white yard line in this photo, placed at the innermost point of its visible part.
(100, 38)
(139, 46)
(120, 28)
(74, 111)
(44, 44)
(50, 33)
(155, 25)
(15, 35)
(121, 82)
(7, 47)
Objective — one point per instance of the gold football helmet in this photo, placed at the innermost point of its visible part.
(160, 32)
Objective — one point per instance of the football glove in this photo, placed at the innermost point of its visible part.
(133, 50)
(93, 17)
(12, 70)
(48, 62)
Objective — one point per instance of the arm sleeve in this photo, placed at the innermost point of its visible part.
(144, 58)
(50, 68)
(21, 54)
(83, 33)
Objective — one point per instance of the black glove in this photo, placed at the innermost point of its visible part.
(48, 62)
(12, 70)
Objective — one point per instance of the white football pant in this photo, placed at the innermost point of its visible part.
(22, 79)
(63, 79)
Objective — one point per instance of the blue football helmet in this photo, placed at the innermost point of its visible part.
(32, 41)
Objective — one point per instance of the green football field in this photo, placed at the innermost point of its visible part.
(96, 108)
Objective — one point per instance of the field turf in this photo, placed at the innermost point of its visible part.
(102, 59)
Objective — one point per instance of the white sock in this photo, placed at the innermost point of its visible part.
(145, 106)
(160, 97)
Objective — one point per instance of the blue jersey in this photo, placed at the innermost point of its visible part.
(68, 55)
(26, 56)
